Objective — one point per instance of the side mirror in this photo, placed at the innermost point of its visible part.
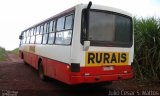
(86, 45)
(20, 37)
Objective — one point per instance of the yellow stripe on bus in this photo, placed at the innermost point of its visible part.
(32, 49)
(106, 58)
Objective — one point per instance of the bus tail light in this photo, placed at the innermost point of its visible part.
(75, 67)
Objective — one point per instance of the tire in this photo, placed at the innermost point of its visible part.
(41, 72)
(22, 57)
(25, 63)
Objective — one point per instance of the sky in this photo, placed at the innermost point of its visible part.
(17, 15)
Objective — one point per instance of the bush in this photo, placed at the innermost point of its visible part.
(15, 51)
(147, 48)
(2, 54)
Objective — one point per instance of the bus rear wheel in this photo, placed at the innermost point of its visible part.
(41, 72)
(25, 63)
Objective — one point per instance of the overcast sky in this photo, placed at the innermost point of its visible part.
(17, 15)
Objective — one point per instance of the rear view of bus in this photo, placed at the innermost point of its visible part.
(84, 44)
(105, 51)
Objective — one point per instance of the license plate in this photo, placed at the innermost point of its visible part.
(107, 68)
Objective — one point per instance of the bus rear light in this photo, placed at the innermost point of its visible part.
(75, 67)
(67, 67)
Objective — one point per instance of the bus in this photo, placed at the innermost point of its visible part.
(86, 44)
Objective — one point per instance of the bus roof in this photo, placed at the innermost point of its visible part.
(107, 8)
(82, 6)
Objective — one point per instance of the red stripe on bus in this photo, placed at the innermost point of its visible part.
(61, 71)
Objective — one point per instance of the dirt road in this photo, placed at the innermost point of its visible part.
(13, 58)
(18, 79)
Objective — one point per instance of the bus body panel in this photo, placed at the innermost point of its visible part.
(76, 55)
(96, 75)
(49, 51)
(52, 67)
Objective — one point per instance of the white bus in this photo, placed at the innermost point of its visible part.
(84, 44)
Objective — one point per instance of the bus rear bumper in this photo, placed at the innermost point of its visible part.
(100, 78)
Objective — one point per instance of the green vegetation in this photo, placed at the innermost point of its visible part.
(2, 54)
(15, 51)
(147, 49)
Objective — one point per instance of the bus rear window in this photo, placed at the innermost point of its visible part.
(109, 27)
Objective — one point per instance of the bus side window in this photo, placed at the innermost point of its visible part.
(60, 24)
(45, 28)
(41, 30)
(24, 37)
(63, 37)
(33, 35)
(68, 22)
(51, 26)
(37, 31)
(34, 31)
(64, 28)
(51, 38)
(28, 37)
(38, 39)
(45, 34)
(51, 32)
(31, 32)
(39, 34)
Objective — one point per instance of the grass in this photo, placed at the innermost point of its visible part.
(2, 54)
(15, 51)
(147, 48)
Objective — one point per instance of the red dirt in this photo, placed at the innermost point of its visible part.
(22, 80)
(13, 58)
